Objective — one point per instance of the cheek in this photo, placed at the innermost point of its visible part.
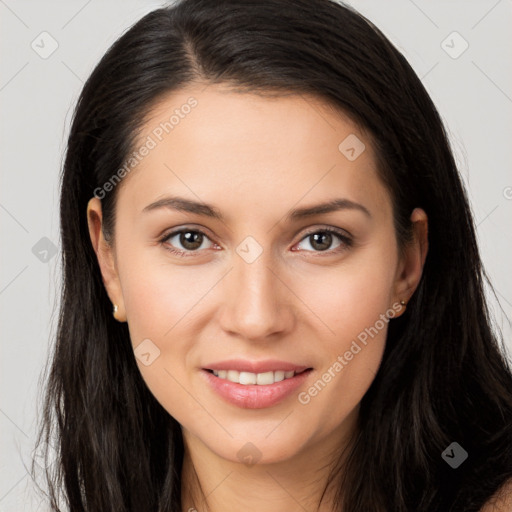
(350, 357)
(354, 305)
(349, 298)
(165, 309)
(159, 296)
(339, 386)
(159, 301)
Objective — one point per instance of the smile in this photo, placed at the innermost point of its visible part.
(259, 379)
(269, 384)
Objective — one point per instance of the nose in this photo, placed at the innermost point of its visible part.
(259, 303)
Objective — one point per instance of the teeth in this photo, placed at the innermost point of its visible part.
(247, 378)
(233, 376)
(261, 379)
(279, 376)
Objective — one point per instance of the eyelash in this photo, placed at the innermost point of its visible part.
(346, 241)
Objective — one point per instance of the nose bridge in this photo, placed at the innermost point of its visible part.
(256, 304)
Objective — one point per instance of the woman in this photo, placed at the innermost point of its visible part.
(272, 291)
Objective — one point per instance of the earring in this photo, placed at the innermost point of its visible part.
(403, 303)
(115, 313)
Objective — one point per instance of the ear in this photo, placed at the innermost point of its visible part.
(410, 267)
(106, 257)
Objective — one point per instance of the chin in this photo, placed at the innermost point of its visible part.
(257, 446)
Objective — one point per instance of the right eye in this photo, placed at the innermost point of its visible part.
(190, 239)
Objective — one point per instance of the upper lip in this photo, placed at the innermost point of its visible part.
(269, 365)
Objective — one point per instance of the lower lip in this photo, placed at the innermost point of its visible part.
(252, 396)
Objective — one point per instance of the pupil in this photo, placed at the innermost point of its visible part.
(316, 236)
(188, 238)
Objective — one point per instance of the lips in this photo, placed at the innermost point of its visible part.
(254, 385)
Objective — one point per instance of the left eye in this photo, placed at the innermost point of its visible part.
(321, 240)
(191, 240)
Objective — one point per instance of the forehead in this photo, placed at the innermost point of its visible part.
(251, 151)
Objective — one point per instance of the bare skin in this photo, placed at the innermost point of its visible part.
(256, 159)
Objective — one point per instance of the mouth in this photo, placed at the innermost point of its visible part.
(257, 389)
(258, 379)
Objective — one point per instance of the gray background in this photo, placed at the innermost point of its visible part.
(472, 90)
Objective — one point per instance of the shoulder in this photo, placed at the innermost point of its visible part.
(501, 501)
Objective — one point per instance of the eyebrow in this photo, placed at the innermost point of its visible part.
(207, 210)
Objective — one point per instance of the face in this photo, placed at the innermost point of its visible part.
(256, 286)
